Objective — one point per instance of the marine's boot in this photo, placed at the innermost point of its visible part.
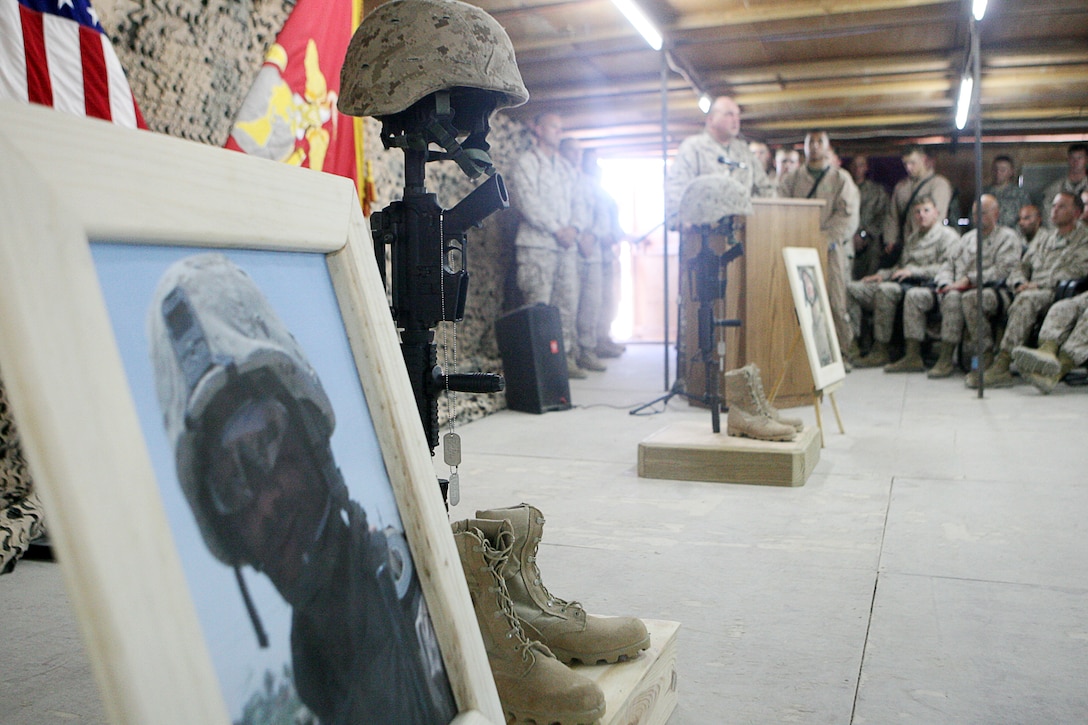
(565, 627)
(606, 347)
(945, 366)
(757, 383)
(851, 353)
(533, 685)
(1043, 382)
(1042, 361)
(588, 360)
(746, 414)
(878, 356)
(997, 374)
(573, 371)
(911, 362)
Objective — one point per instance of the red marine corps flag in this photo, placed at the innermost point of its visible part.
(290, 113)
(54, 52)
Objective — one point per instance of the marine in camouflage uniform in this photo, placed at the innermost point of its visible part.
(542, 189)
(872, 210)
(583, 202)
(716, 150)
(923, 254)
(1046, 263)
(608, 233)
(921, 180)
(1074, 182)
(958, 288)
(1063, 344)
(1010, 195)
(818, 179)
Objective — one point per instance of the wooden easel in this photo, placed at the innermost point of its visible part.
(817, 395)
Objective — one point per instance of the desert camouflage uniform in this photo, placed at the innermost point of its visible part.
(606, 227)
(542, 187)
(1000, 255)
(583, 208)
(1067, 324)
(923, 255)
(699, 155)
(1056, 259)
(871, 213)
(1062, 184)
(1010, 198)
(935, 186)
(838, 222)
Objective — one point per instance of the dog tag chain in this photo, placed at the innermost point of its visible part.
(451, 442)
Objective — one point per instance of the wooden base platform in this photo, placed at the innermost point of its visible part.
(640, 691)
(691, 451)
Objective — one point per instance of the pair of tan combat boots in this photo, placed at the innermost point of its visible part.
(751, 415)
(529, 634)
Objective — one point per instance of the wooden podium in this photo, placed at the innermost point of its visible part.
(757, 294)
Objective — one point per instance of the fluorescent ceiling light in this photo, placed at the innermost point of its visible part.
(963, 106)
(642, 24)
(704, 103)
(978, 9)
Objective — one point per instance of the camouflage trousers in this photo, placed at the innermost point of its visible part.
(839, 259)
(1067, 324)
(1025, 309)
(991, 305)
(610, 296)
(589, 302)
(917, 302)
(882, 299)
(550, 277)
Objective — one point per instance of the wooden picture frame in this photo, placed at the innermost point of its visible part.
(817, 328)
(71, 183)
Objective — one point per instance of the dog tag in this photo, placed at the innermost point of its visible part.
(451, 449)
(454, 490)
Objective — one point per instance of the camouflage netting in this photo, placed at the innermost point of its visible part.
(190, 64)
(20, 510)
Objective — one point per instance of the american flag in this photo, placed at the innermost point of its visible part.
(54, 52)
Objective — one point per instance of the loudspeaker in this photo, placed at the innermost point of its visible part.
(534, 361)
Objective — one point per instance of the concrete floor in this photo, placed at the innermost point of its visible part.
(931, 570)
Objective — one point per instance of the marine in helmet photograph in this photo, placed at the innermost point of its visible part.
(821, 334)
(288, 533)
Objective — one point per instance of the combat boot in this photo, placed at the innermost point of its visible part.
(588, 360)
(1045, 383)
(564, 627)
(573, 371)
(532, 684)
(608, 348)
(911, 362)
(746, 414)
(945, 366)
(757, 384)
(852, 353)
(997, 375)
(878, 356)
(1043, 361)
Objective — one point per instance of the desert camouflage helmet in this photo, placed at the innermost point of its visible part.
(407, 49)
(710, 198)
(210, 326)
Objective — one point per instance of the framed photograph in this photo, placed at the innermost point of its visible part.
(817, 331)
(200, 355)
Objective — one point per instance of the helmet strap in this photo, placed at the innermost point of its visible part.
(251, 609)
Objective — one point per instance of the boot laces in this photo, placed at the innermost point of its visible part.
(495, 557)
(553, 601)
(761, 397)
